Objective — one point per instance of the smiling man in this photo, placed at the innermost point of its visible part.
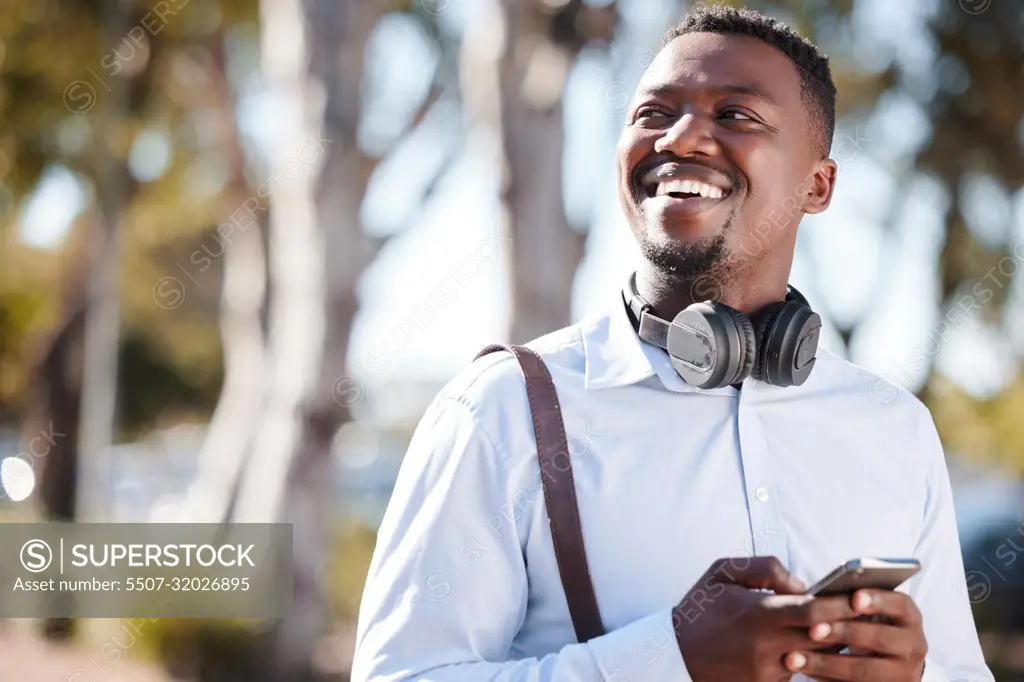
(720, 460)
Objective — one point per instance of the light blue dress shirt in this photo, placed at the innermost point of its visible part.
(463, 583)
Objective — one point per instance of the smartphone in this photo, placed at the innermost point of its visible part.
(856, 574)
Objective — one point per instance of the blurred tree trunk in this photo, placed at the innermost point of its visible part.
(99, 363)
(538, 43)
(114, 186)
(313, 54)
(313, 59)
(53, 415)
(51, 428)
(75, 399)
(230, 433)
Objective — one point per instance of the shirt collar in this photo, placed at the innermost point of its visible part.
(616, 356)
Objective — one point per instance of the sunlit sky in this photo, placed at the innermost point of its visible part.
(846, 264)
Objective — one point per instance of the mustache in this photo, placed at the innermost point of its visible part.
(657, 159)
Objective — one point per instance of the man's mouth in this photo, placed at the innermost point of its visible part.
(684, 189)
(685, 181)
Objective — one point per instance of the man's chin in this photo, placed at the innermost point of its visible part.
(683, 260)
(687, 219)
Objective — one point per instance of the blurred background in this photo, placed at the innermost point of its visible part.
(244, 244)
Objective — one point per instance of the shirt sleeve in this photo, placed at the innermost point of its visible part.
(430, 614)
(940, 589)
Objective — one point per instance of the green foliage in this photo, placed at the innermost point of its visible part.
(989, 429)
(30, 293)
(160, 389)
(79, 85)
(348, 562)
(203, 649)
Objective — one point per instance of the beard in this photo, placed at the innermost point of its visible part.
(684, 262)
(681, 262)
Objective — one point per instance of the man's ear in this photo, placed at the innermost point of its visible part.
(822, 183)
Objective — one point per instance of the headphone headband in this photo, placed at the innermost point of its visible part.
(793, 294)
(639, 305)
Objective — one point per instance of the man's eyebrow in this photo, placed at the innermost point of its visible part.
(669, 90)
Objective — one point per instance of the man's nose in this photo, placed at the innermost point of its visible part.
(691, 133)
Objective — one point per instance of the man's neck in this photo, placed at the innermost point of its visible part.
(668, 295)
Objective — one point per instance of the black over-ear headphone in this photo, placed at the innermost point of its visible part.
(712, 345)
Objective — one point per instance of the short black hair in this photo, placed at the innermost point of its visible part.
(818, 89)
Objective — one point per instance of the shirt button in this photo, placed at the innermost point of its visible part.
(761, 494)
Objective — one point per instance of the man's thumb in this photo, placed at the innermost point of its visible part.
(758, 573)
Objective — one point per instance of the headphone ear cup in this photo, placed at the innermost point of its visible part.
(764, 319)
(787, 343)
(711, 345)
(749, 345)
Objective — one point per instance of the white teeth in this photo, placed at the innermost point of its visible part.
(689, 187)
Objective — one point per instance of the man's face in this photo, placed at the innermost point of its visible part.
(718, 162)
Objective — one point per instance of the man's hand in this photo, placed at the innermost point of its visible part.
(727, 630)
(890, 651)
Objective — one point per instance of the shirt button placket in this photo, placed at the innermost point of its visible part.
(766, 531)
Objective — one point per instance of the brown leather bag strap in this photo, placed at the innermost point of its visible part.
(559, 491)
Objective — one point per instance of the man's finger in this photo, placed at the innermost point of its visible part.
(757, 573)
(843, 667)
(802, 611)
(873, 638)
(899, 607)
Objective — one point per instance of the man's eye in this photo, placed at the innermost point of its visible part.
(735, 115)
(649, 112)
